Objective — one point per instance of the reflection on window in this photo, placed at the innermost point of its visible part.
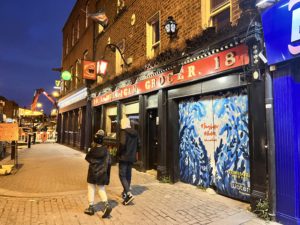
(221, 19)
(113, 124)
(134, 121)
(153, 36)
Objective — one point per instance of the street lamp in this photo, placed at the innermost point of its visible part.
(66, 75)
(171, 27)
(55, 94)
(39, 105)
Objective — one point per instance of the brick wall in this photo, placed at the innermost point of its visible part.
(187, 15)
(85, 41)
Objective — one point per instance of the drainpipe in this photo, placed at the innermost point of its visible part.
(270, 144)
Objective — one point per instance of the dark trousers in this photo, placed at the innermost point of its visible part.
(125, 175)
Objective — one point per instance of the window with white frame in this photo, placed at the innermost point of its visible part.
(67, 45)
(85, 55)
(216, 13)
(72, 79)
(86, 14)
(73, 36)
(78, 29)
(119, 60)
(77, 73)
(153, 36)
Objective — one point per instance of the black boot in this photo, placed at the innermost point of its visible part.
(107, 210)
(90, 210)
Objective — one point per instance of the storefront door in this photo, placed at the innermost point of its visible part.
(152, 138)
(214, 142)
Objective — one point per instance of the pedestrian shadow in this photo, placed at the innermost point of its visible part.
(100, 205)
(138, 189)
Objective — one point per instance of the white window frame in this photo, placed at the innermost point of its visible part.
(73, 35)
(67, 45)
(77, 73)
(78, 29)
(150, 46)
(86, 12)
(207, 13)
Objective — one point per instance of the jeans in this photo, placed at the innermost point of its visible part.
(125, 175)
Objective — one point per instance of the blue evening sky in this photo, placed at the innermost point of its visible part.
(30, 46)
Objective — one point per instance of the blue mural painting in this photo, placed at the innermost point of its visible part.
(214, 143)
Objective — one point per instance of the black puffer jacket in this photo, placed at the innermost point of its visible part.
(129, 143)
(99, 168)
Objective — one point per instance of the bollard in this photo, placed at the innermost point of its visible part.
(29, 140)
(13, 150)
(34, 137)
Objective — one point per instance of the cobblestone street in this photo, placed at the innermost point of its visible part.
(50, 188)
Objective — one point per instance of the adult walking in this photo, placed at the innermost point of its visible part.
(98, 174)
(127, 156)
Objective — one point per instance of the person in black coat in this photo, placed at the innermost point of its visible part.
(128, 148)
(98, 174)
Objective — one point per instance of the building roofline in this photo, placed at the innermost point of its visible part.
(70, 14)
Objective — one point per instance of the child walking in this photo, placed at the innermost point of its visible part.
(98, 174)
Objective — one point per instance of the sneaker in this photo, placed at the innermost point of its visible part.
(128, 199)
(123, 195)
(90, 210)
(107, 211)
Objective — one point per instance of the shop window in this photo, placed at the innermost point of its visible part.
(153, 36)
(111, 121)
(216, 13)
(131, 111)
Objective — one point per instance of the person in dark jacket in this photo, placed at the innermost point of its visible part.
(129, 142)
(98, 174)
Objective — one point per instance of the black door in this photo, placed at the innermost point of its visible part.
(152, 139)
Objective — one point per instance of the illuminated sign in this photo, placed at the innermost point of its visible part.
(89, 70)
(80, 95)
(216, 63)
(57, 83)
(281, 25)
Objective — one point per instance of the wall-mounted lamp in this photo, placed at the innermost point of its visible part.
(171, 27)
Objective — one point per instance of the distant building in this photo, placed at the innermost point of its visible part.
(10, 109)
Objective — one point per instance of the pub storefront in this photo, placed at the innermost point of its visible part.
(202, 124)
(71, 119)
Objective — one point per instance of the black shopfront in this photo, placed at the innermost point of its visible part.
(203, 125)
